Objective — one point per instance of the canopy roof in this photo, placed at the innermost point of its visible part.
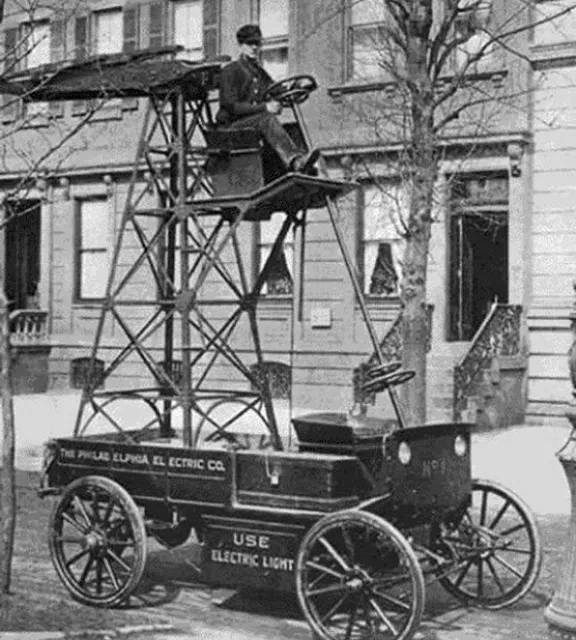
(143, 73)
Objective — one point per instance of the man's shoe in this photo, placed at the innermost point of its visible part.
(309, 161)
(305, 164)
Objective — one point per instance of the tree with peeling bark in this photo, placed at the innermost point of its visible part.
(431, 61)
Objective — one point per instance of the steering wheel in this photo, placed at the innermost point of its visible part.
(293, 90)
(382, 369)
(391, 379)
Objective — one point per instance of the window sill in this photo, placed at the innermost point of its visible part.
(275, 306)
(36, 122)
(381, 307)
(553, 54)
(496, 75)
(103, 114)
(108, 112)
(277, 301)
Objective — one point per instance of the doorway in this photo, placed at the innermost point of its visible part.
(478, 269)
(22, 255)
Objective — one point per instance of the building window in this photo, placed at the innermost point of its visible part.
(472, 24)
(188, 28)
(367, 40)
(273, 18)
(280, 280)
(554, 25)
(36, 40)
(92, 253)
(108, 34)
(383, 211)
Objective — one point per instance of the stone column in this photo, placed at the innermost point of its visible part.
(561, 612)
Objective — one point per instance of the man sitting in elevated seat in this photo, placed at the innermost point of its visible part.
(242, 85)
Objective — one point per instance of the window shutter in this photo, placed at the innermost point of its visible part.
(156, 25)
(131, 43)
(10, 104)
(81, 43)
(57, 54)
(211, 28)
(81, 38)
(130, 17)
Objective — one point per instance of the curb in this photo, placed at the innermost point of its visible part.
(104, 634)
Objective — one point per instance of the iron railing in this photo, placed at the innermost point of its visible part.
(28, 327)
(498, 335)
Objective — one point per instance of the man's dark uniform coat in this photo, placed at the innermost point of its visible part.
(242, 84)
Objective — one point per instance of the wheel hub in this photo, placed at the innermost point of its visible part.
(358, 580)
(95, 541)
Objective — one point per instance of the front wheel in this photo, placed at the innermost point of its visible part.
(98, 541)
(497, 548)
(358, 577)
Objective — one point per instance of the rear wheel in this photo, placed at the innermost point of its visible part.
(497, 548)
(98, 541)
(358, 577)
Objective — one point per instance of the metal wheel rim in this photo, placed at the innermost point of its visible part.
(501, 545)
(98, 541)
(360, 598)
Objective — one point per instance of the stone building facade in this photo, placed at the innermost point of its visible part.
(502, 229)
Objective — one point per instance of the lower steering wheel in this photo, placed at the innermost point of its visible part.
(293, 90)
(382, 382)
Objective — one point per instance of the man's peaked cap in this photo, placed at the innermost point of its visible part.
(249, 33)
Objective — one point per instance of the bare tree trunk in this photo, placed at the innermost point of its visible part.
(422, 169)
(7, 479)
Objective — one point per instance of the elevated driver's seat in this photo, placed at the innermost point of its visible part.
(240, 161)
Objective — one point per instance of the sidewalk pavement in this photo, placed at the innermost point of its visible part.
(523, 458)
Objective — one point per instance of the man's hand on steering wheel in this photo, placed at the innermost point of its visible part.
(274, 107)
(293, 90)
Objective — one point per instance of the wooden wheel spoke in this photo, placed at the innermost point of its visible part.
(403, 606)
(73, 522)
(75, 558)
(495, 576)
(115, 525)
(69, 539)
(332, 551)
(480, 578)
(109, 509)
(327, 570)
(390, 581)
(348, 543)
(383, 617)
(463, 573)
(510, 567)
(334, 608)
(483, 507)
(351, 620)
(95, 504)
(121, 543)
(500, 514)
(119, 560)
(510, 549)
(334, 588)
(82, 509)
(99, 567)
(111, 573)
(511, 530)
(86, 571)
